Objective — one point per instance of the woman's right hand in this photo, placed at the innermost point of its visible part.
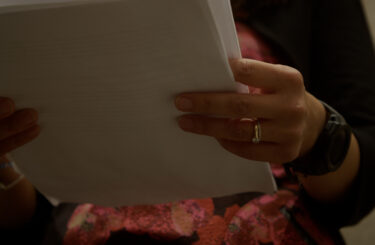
(17, 127)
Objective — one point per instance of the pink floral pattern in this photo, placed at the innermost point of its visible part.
(261, 222)
(92, 224)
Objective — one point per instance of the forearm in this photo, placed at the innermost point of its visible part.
(332, 186)
(17, 205)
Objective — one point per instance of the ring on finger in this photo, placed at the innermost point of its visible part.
(257, 133)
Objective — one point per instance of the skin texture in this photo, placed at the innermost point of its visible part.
(291, 121)
(290, 117)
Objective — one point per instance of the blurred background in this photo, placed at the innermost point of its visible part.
(364, 233)
(369, 6)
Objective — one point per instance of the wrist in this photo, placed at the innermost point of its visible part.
(329, 150)
(316, 118)
(332, 186)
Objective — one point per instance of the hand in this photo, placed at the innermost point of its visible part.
(291, 119)
(17, 205)
(16, 127)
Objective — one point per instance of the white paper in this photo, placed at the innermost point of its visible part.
(223, 18)
(11, 6)
(103, 77)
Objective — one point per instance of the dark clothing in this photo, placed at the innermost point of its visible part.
(329, 42)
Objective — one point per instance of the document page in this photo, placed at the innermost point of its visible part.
(103, 77)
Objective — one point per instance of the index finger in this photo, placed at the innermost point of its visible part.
(265, 75)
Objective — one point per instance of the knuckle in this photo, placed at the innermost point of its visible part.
(297, 75)
(296, 111)
(299, 110)
(293, 76)
(296, 78)
(287, 70)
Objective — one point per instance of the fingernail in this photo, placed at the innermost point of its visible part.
(186, 123)
(5, 107)
(184, 104)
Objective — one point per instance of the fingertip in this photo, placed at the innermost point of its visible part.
(7, 107)
(233, 62)
(33, 114)
(34, 131)
(30, 133)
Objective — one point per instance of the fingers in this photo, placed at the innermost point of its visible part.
(229, 129)
(18, 140)
(16, 127)
(228, 105)
(280, 108)
(241, 130)
(278, 145)
(17, 122)
(6, 107)
(264, 75)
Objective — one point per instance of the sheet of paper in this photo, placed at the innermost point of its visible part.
(11, 6)
(13, 3)
(104, 77)
(222, 15)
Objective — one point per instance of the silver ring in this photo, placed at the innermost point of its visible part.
(257, 133)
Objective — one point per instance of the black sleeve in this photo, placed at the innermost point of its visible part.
(343, 75)
(34, 231)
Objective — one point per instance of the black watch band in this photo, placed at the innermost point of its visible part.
(330, 149)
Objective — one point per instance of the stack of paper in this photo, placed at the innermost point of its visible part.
(103, 76)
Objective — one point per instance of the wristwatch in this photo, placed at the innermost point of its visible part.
(330, 149)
